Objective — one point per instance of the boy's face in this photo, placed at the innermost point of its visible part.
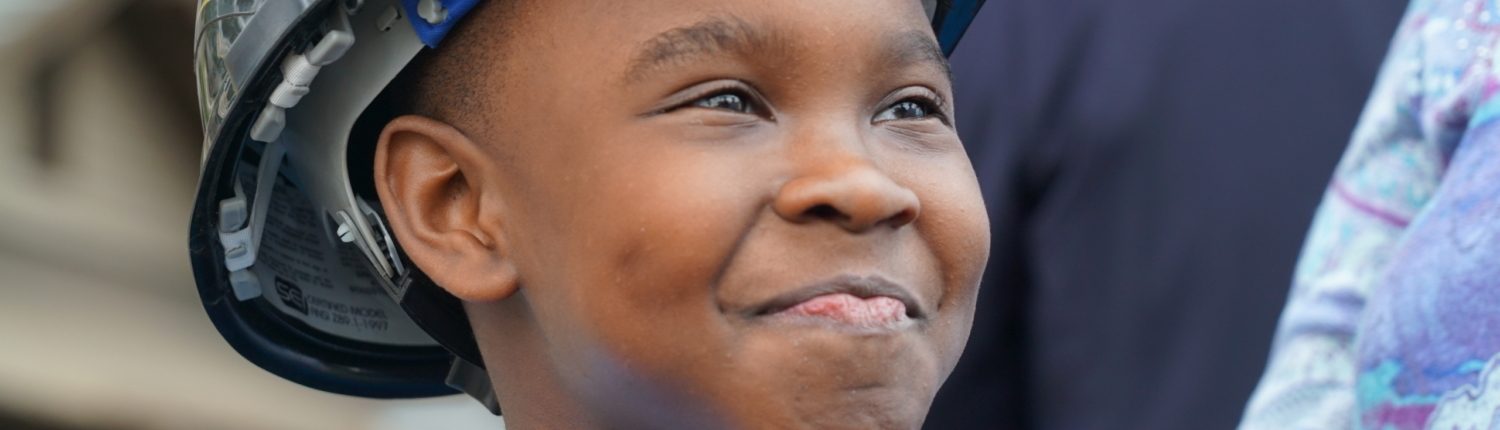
(751, 211)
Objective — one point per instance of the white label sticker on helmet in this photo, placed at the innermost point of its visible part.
(314, 278)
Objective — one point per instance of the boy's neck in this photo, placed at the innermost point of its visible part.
(531, 394)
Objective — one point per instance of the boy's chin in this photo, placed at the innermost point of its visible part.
(840, 377)
(795, 378)
(777, 374)
(877, 406)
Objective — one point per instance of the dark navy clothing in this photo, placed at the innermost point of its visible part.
(1151, 168)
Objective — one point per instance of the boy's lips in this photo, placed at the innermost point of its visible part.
(854, 301)
(843, 308)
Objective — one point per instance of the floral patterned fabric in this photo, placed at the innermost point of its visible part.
(1393, 321)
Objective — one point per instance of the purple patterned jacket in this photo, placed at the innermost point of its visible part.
(1393, 321)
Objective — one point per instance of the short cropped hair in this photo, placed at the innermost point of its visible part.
(442, 83)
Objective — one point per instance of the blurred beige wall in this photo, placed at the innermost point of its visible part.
(100, 325)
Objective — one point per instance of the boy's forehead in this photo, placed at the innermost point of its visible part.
(730, 35)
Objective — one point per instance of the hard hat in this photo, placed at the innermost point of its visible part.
(293, 263)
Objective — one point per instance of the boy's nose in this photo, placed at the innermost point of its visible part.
(851, 193)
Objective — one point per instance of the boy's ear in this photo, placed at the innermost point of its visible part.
(431, 181)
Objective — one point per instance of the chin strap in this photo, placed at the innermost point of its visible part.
(442, 316)
(473, 381)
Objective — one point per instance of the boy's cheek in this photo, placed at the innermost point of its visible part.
(954, 220)
(645, 244)
(955, 224)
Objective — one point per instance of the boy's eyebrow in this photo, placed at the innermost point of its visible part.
(702, 38)
(915, 47)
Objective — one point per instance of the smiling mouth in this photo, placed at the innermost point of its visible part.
(864, 302)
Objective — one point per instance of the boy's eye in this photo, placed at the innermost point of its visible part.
(908, 109)
(717, 98)
(730, 101)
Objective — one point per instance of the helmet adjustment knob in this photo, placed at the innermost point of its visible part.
(432, 11)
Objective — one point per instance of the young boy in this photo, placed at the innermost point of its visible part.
(711, 214)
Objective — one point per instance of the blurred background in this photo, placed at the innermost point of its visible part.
(100, 325)
(1150, 168)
